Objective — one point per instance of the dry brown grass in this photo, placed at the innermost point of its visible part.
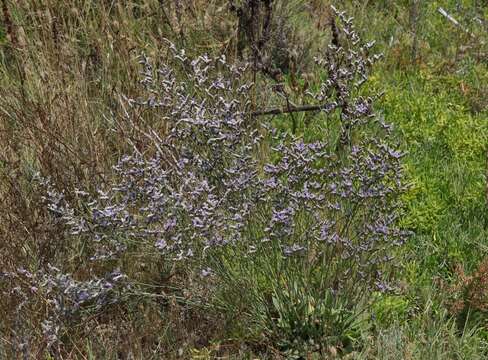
(60, 84)
(64, 67)
(469, 292)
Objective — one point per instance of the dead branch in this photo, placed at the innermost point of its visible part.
(294, 109)
(456, 23)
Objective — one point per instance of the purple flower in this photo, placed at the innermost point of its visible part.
(293, 249)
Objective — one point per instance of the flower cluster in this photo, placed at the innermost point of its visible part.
(195, 191)
(208, 184)
(65, 297)
(346, 62)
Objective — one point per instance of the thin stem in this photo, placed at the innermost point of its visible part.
(293, 109)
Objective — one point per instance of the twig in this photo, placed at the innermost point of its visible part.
(294, 109)
(414, 22)
(456, 23)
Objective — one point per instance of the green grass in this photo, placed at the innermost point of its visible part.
(446, 150)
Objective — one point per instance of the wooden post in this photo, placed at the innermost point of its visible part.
(414, 24)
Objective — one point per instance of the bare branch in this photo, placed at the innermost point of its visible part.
(449, 17)
(294, 109)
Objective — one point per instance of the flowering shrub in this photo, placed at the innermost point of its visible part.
(65, 300)
(304, 220)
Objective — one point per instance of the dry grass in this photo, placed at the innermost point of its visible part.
(64, 67)
(469, 292)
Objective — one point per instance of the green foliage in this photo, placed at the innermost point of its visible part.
(390, 308)
(446, 160)
(289, 305)
(429, 336)
(300, 320)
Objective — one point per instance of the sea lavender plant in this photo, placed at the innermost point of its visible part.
(207, 195)
(66, 300)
